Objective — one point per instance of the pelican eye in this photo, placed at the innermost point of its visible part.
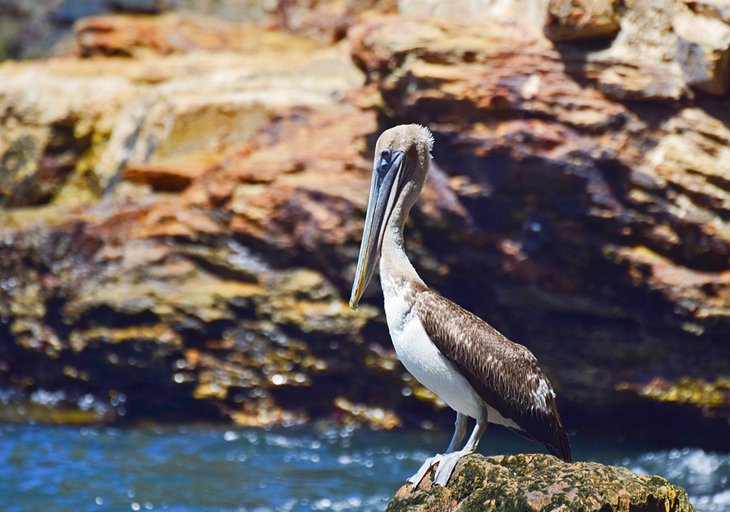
(384, 163)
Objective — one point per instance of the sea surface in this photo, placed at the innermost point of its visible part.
(212, 468)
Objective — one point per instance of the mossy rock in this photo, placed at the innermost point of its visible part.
(541, 483)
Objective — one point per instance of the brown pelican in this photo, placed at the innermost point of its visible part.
(472, 367)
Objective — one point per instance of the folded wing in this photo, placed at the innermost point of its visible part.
(506, 375)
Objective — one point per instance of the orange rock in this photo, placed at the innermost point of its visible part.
(124, 35)
(582, 19)
(170, 177)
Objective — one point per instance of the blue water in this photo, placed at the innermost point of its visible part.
(211, 468)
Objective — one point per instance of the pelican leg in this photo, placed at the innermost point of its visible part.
(447, 462)
(459, 433)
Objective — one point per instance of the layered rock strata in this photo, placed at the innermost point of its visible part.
(183, 199)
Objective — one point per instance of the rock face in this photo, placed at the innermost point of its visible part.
(34, 28)
(182, 201)
(569, 198)
(541, 483)
(174, 291)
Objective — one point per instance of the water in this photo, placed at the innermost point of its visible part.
(209, 468)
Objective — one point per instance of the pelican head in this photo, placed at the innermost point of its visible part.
(402, 157)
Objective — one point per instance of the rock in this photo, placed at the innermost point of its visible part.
(642, 62)
(36, 28)
(224, 297)
(52, 140)
(128, 293)
(179, 226)
(535, 158)
(719, 9)
(93, 118)
(661, 50)
(527, 14)
(541, 483)
(28, 28)
(704, 52)
(585, 19)
(125, 35)
(143, 6)
(170, 177)
(390, 51)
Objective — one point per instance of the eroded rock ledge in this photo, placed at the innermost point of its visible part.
(539, 482)
(181, 202)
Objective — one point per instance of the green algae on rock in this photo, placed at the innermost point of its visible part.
(541, 483)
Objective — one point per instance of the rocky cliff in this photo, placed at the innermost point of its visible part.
(183, 198)
(541, 483)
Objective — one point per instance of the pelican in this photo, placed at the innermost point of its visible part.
(471, 366)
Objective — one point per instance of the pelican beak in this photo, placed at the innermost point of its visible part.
(382, 198)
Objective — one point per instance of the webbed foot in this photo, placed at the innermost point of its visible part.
(424, 469)
(447, 463)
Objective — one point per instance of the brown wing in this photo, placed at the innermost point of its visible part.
(506, 375)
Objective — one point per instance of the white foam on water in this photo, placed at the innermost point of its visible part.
(714, 503)
(704, 474)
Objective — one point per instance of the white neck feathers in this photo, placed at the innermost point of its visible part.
(396, 269)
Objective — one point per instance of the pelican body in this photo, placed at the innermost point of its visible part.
(472, 367)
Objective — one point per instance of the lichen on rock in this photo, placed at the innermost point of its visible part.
(541, 483)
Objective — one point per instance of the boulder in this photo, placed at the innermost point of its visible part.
(541, 483)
